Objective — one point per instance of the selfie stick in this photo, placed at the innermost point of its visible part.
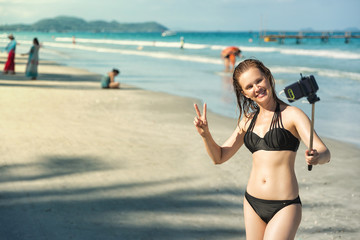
(312, 98)
(306, 86)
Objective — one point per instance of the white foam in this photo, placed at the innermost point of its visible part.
(322, 53)
(316, 71)
(290, 51)
(195, 58)
(163, 55)
(305, 52)
(260, 49)
(134, 43)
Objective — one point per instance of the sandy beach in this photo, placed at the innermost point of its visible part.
(79, 162)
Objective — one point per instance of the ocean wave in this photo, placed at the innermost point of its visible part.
(317, 71)
(260, 49)
(163, 55)
(4, 40)
(4, 35)
(201, 59)
(322, 53)
(337, 54)
(134, 43)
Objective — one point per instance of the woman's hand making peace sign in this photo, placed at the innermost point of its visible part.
(200, 121)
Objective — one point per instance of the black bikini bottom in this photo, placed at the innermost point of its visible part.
(266, 209)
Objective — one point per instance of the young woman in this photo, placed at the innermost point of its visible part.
(272, 131)
(108, 81)
(33, 60)
(10, 63)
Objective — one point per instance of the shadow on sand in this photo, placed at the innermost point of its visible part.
(59, 208)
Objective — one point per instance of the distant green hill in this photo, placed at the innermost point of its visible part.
(73, 24)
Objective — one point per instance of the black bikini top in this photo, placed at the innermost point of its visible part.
(276, 139)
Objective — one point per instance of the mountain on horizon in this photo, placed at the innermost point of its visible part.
(74, 24)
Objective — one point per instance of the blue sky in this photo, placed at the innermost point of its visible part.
(196, 15)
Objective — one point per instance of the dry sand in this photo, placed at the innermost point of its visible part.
(80, 162)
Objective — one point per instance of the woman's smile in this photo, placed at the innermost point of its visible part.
(261, 93)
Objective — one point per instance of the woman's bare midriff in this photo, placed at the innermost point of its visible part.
(272, 176)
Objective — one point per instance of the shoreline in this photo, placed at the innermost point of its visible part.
(86, 163)
(85, 72)
(286, 62)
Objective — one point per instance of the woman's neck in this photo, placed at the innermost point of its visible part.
(269, 106)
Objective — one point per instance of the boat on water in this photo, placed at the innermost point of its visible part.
(168, 33)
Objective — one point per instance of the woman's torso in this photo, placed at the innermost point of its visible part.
(34, 53)
(11, 46)
(272, 176)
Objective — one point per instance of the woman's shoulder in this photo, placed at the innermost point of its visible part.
(292, 113)
(246, 120)
(290, 109)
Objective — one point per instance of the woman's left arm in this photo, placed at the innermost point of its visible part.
(320, 154)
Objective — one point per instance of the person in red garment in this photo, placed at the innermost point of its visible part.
(10, 63)
(229, 55)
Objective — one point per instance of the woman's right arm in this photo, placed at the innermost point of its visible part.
(219, 154)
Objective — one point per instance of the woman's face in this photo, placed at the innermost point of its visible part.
(255, 85)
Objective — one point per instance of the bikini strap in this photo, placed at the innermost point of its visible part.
(276, 121)
(280, 119)
(253, 121)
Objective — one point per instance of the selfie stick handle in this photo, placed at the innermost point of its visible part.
(311, 131)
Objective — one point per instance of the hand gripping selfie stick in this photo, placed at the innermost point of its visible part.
(306, 86)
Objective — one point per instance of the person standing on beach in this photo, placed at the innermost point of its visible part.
(271, 130)
(229, 55)
(182, 42)
(108, 81)
(10, 63)
(33, 60)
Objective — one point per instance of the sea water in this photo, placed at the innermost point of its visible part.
(157, 63)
